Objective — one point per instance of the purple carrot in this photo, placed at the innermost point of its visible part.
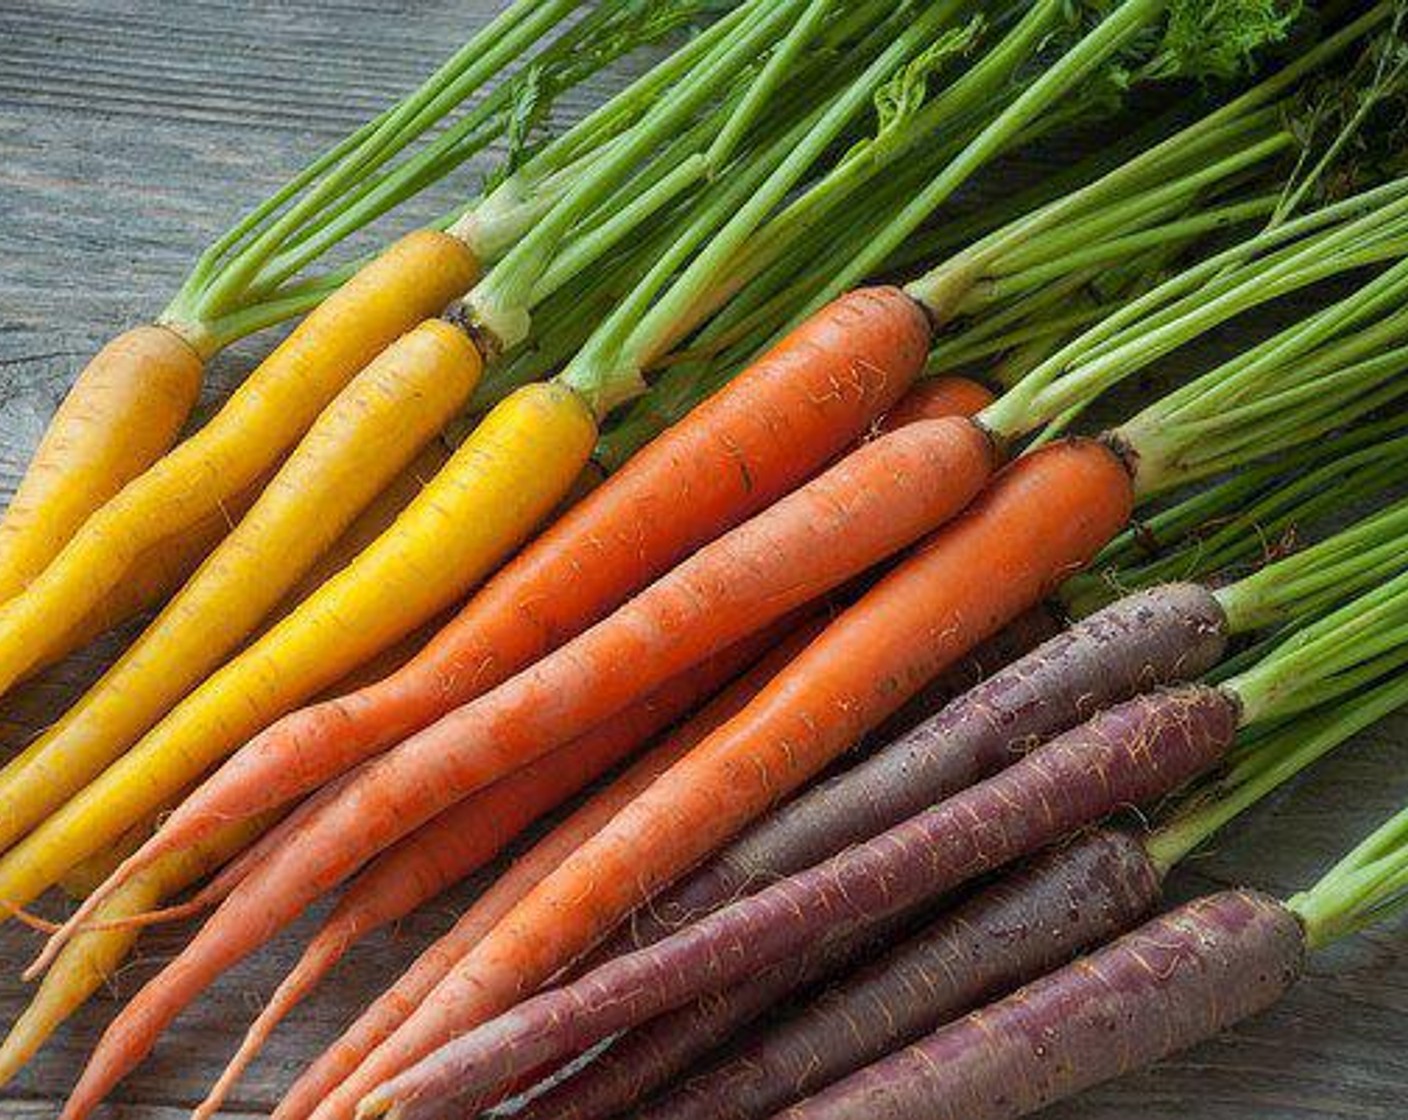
(1127, 755)
(1151, 638)
(1178, 980)
(1064, 902)
(648, 1058)
(1017, 639)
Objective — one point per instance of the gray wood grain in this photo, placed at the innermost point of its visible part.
(131, 133)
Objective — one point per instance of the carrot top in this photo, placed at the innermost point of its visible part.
(1368, 885)
(256, 273)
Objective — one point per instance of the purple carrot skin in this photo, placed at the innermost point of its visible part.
(648, 1058)
(1174, 982)
(1064, 902)
(1127, 755)
(1022, 635)
(1151, 638)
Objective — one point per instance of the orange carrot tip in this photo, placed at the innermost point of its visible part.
(468, 835)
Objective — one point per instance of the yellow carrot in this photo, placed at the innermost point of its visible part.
(463, 524)
(379, 516)
(260, 423)
(370, 431)
(92, 958)
(124, 411)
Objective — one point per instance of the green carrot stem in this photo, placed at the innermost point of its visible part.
(774, 74)
(1320, 660)
(942, 285)
(1273, 761)
(607, 385)
(1348, 562)
(478, 61)
(1208, 294)
(1368, 885)
(500, 302)
(1094, 254)
(1255, 512)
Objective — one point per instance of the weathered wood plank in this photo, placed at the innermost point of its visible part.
(130, 134)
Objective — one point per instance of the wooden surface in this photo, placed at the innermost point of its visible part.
(130, 135)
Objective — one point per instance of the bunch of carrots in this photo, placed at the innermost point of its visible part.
(624, 469)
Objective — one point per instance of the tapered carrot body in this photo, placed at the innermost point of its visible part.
(389, 1010)
(877, 500)
(262, 420)
(1066, 901)
(123, 412)
(800, 405)
(1038, 521)
(1178, 980)
(94, 956)
(1128, 755)
(378, 516)
(466, 836)
(369, 432)
(460, 526)
(1175, 632)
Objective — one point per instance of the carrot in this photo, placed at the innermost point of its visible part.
(1180, 979)
(1127, 755)
(875, 501)
(92, 958)
(1172, 633)
(264, 418)
(160, 571)
(413, 570)
(935, 397)
(798, 406)
(1038, 918)
(643, 1060)
(969, 580)
(123, 412)
(366, 435)
(378, 516)
(387, 1012)
(1015, 640)
(468, 835)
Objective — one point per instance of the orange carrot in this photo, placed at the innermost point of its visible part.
(1035, 524)
(936, 397)
(391, 1009)
(466, 836)
(873, 503)
(797, 407)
